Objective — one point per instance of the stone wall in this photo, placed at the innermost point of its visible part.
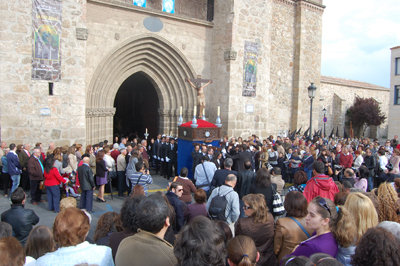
(22, 98)
(394, 110)
(337, 95)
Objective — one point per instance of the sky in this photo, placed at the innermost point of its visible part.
(356, 39)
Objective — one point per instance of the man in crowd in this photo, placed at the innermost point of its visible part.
(320, 184)
(86, 181)
(174, 194)
(22, 220)
(123, 143)
(35, 170)
(172, 158)
(204, 173)
(14, 167)
(121, 167)
(157, 153)
(232, 210)
(148, 247)
(221, 174)
(196, 156)
(245, 179)
(23, 160)
(141, 176)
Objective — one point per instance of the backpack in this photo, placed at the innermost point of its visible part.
(217, 208)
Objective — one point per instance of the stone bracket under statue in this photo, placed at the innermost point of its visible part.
(205, 133)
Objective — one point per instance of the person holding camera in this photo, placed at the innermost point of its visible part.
(140, 177)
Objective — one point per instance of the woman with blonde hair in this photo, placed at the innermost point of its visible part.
(242, 251)
(363, 211)
(388, 203)
(259, 225)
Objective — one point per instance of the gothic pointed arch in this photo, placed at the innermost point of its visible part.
(164, 65)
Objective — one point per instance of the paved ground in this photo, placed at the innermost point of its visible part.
(115, 204)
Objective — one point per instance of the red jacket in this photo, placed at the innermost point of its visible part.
(320, 185)
(53, 178)
(346, 160)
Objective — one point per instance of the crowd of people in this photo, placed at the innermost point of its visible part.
(288, 201)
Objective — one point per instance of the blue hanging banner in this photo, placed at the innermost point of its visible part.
(141, 3)
(169, 6)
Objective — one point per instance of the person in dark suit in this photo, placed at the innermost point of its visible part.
(221, 174)
(157, 153)
(246, 179)
(86, 180)
(163, 157)
(242, 156)
(35, 170)
(172, 158)
(173, 195)
(196, 156)
(23, 157)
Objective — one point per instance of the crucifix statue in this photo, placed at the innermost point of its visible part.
(197, 85)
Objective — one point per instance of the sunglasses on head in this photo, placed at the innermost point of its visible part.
(323, 204)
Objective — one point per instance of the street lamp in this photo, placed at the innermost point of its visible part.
(325, 119)
(311, 94)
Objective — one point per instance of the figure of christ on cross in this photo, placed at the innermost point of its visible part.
(196, 84)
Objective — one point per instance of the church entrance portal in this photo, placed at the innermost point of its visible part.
(136, 105)
(151, 69)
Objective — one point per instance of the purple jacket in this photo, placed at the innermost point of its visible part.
(325, 243)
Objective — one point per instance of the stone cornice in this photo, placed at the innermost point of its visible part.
(99, 112)
(312, 5)
(122, 5)
(351, 83)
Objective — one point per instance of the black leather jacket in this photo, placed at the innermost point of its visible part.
(22, 221)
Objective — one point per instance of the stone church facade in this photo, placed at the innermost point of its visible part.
(105, 43)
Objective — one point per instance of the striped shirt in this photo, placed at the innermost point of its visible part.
(144, 180)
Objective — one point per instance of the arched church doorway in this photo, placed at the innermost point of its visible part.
(136, 107)
(148, 57)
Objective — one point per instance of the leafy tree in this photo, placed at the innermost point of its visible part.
(365, 112)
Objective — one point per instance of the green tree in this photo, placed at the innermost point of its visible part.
(363, 113)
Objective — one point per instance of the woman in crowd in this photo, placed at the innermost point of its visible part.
(361, 179)
(52, 181)
(395, 161)
(388, 203)
(363, 211)
(110, 162)
(70, 229)
(326, 159)
(92, 157)
(200, 243)
(329, 225)
(128, 212)
(259, 225)
(359, 159)
(108, 223)
(300, 180)
(197, 208)
(377, 247)
(187, 185)
(58, 160)
(39, 242)
(11, 252)
(101, 174)
(264, 186)
(79, 152)
(382, 162)
(291, 230)
(344, 230)
(72, 161)
(242, 251)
